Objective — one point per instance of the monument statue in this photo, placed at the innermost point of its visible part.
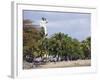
(43, 23)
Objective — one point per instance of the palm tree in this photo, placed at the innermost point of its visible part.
(86, 45)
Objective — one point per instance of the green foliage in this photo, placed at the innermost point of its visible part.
(86, 47)
(36, 43)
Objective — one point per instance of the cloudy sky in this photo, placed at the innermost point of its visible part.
(76, 25)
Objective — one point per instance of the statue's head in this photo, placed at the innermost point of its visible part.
(43, 18)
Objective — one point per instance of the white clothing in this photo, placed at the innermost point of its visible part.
(44, 24)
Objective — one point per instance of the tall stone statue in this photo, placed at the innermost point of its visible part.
(43, 23)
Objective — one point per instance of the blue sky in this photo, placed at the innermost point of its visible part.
(76, 25)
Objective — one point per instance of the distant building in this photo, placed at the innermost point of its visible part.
(28, 23)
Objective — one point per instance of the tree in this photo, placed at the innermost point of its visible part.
(86, 46)
(62, 45)
(31, 35)
(35, 43)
